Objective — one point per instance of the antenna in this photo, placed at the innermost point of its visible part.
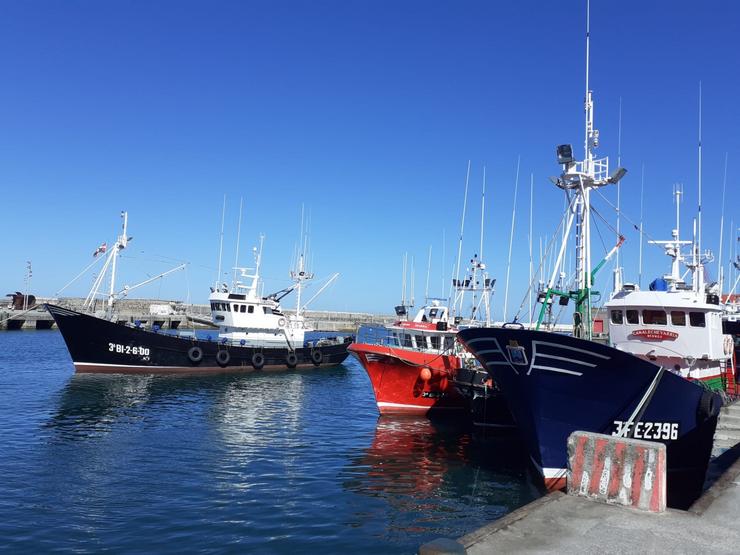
(429, 269)
(238, 236)
(511, 237)
(619, 183)
(642, 198)
(482, 213)
(699, 233)
(221, 242)
(412, 281)
(462, 229)
(403, 280)
(444, 282)
(720, 269)
(531, 202)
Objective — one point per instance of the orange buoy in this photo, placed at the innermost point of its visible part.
(425, 374)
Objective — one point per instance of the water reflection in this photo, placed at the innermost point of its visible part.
(438, 477)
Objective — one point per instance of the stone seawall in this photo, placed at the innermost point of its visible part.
(168, 314)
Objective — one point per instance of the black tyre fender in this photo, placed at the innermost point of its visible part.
(291, 360)
(195, 354)
(317, 357)
(223, 358)
(258, 361)
(708, 406)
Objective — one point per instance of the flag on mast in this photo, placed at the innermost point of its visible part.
(101, 249)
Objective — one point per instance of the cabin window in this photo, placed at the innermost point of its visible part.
(242, 308)
(432, 312)
(250, 309)
(406, 340)
(266, 310)
(697, 319)
(655, 317)
(617, 317)
(420, 343)
(678, 317)
(213, 306)
(435, 341)
(449, 343)
(633, 317)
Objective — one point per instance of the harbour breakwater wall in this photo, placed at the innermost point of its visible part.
(168, 314)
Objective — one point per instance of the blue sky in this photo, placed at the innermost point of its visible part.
(364, 112)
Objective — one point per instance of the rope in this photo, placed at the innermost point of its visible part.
(35, 307)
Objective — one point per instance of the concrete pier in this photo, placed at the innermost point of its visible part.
(560, 523)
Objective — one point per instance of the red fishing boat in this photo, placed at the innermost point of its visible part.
(411, 364)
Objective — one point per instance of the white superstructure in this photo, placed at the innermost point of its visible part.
(675, 324)
(246, 317)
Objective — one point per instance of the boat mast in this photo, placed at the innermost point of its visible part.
(459, 244)
(511, 237)
(579, 178)
(120, 245)
(220, 245)
(300, 274)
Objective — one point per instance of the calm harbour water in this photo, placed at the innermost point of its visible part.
(261, 463)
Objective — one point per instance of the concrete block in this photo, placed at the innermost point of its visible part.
(617, 470)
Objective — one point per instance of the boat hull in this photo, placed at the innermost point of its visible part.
(398, 384)
(100, 346)
(556, 384)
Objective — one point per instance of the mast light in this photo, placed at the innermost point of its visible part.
(565, 154)
(617, 175)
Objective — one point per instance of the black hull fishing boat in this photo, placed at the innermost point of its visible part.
(254, 333)
(97, 345)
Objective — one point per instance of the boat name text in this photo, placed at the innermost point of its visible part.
(128, 349)
(647, 430)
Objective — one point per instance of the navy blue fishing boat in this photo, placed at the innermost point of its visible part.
(556, 384)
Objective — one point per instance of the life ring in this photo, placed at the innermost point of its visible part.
(291, 360)
(317, 357)
(195, 354)
(258, 361)
(281, 322)
(222, 358)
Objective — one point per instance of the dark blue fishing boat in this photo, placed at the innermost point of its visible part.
(556, 384)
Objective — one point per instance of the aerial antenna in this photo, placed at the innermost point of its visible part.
(221, 243)
(720, 269)
(238, 236)
(699, 233)
(462, 229)
(403, 280)
(444, 282)
(412, 281)
(531, 268)
(642, 198)
(482, 213)
(511, 237)
(619, 183)
(429, 269)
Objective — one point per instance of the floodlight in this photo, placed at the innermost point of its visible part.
(565, 154)
(617, 175)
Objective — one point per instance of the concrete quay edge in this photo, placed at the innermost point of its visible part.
(558, 523)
